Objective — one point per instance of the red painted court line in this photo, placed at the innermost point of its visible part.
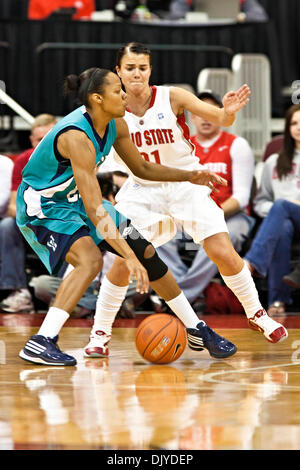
(215, 321)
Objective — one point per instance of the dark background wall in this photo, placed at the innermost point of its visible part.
(35, 80)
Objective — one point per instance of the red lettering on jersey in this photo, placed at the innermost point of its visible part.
(138, 139)
(170, 132)
(147, 138)
(132, 137)
(166, 135)
(159, 136)
(153, 136)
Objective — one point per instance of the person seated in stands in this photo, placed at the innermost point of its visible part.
(6, 168)
(12, 246)
(251, 11)
(293, 278)
(231, 157)
(278, 203)
(179, 8)
(41, 9)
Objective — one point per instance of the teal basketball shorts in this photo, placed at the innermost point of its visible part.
(51, 227)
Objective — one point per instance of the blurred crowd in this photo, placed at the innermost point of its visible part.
(136, 10)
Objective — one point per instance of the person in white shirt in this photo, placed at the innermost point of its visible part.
(278, 203)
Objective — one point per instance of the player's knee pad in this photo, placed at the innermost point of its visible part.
(155, 267)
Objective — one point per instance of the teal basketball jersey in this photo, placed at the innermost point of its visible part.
(50, 211)
(48, 172)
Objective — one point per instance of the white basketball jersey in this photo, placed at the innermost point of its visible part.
(160, 136)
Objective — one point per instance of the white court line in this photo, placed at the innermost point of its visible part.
(210, 377)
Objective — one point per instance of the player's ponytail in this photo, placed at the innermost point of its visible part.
(90, 81)
(71, 83)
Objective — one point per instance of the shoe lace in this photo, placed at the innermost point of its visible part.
(101, 336)
(53, 343)
(263, 319)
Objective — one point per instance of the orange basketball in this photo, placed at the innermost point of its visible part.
(160, 338)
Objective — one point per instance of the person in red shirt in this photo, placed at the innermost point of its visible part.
(12, 248)
(41, 9)
(231, 157)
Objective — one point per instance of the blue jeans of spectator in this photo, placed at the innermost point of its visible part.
(270, 251)
(12, 256)
(45, 289)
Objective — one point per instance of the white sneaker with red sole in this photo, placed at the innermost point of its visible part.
(271, 329)
(98, 345)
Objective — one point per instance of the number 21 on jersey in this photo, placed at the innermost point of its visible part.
(152, 157)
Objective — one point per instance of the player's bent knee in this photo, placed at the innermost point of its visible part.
(96, 264)
(146, 254)
(85, 255)
(155, 267)
(149, 252)
(120, 267)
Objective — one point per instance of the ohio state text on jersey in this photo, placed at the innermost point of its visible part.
(160, 136)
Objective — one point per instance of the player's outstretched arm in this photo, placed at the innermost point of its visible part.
(233, 101)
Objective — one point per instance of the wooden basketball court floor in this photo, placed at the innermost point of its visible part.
(249, 401)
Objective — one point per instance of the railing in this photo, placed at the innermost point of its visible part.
(74, 46)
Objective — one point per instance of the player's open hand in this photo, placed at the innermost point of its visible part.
(138, 272)
(233, 101)
(207, 178)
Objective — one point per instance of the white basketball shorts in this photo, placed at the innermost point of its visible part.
(156, 210)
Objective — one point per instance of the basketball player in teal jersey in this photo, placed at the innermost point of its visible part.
(61, 213)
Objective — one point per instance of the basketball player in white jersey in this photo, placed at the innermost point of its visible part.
(155, 118)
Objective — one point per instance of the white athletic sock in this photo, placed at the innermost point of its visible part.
(110, 299)
(242, 285)
(53, 322)
(184, 311)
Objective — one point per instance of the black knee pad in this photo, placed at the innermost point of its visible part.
(155, 267)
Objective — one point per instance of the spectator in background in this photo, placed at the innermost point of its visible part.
(12, 246)
(293, 279)
(251, 10)
(42, 9)
(179, 8)
(278, 203)
(6, 168)
(232, 158)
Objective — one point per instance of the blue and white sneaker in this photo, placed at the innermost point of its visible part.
(203, 337)
(42, 350)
